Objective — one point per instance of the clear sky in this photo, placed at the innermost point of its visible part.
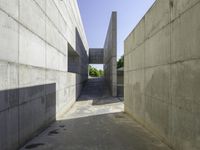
(96, 16)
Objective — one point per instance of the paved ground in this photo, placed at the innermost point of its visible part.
(96, 122)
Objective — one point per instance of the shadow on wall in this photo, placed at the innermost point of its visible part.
(82, 74)
(78, 65)
(24, 112)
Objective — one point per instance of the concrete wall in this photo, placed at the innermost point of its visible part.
(96, 55)
(35, 84)
(110, 55)
(162, 72)
(120, 82)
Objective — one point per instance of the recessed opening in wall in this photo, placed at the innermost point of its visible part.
(73, 60)
(96, 70)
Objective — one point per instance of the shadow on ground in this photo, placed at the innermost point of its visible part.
(96, 122)
(97, 90)
(115, 131)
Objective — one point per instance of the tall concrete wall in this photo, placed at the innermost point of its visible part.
(35, 84)
(110, 55)
(162, 72)
(120, 82)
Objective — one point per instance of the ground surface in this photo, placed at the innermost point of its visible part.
(96, 122)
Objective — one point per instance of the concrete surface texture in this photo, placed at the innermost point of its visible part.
(110, 55)
(96, 122)
(96, 55)
(35, 83)
(162, 72)
(120, 82)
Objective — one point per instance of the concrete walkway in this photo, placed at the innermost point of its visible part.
(96, 122)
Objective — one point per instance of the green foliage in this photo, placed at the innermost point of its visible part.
(120, 62)
(101, 73)
(93, 72)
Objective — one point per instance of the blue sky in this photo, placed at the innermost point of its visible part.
(96, 16)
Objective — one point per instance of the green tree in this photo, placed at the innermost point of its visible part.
(120, 62)
(93, 72)
(101, 73)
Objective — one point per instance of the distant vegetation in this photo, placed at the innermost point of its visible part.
(93, 72)
(120, 62)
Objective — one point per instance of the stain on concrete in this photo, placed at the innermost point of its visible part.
(119, 116)
(171, 3)
(35, 145)
(53, 132)
(61, 126)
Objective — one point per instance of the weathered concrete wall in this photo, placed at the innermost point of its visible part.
(110, 55)
(162, 72)
(35, 84)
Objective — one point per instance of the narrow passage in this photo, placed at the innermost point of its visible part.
(95, 122)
